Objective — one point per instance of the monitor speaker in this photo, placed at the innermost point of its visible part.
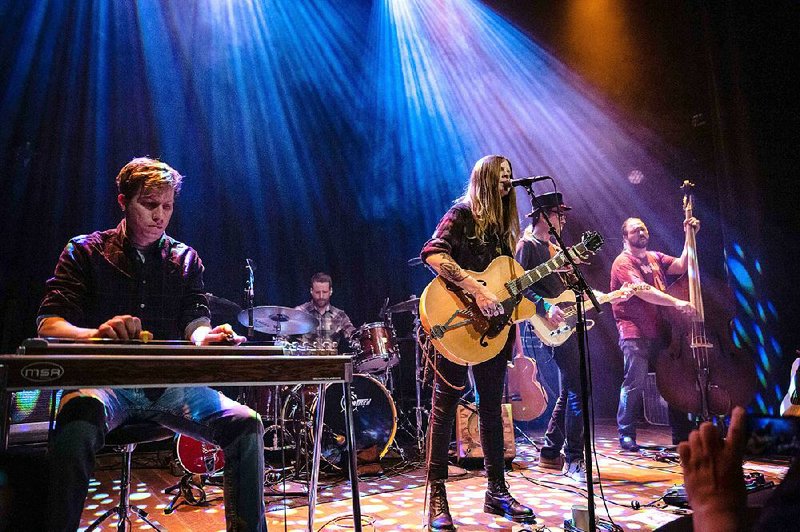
(468, 438)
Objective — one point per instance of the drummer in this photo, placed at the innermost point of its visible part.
(333, 325)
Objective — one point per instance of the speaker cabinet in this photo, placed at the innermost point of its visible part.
(29, 415)
(468, 437)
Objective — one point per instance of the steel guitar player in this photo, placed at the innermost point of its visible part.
(115, 284)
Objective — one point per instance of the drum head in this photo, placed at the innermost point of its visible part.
(198, 457)
(374, 419)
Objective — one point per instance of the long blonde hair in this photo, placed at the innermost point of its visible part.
(493, 213)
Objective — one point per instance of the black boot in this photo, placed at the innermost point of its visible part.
(500, 502)
(438, 511)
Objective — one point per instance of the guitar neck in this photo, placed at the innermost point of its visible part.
(524, 281)
(609, 297)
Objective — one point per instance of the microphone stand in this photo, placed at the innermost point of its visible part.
(579, 287)
(249, 297)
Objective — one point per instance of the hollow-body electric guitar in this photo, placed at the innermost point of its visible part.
(457, 327)
(790, 406)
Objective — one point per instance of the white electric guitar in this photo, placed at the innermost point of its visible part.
(555, 335)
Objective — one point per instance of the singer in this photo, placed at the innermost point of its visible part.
(481, 226)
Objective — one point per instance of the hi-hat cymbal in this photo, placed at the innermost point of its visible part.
(279, 320)
(221, 307)
(411, 305)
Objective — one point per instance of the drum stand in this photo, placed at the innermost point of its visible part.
(418, 375)
(190, 488)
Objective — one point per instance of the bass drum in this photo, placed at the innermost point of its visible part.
(198, 457)
(374, 418)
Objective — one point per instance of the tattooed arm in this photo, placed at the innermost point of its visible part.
(625, 272)
(449, 270)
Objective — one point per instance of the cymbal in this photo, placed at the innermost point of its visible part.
(220, 306)
(411, 305)
(280, 320)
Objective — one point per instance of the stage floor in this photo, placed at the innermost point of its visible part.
(394, 500)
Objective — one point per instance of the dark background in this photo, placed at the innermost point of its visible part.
(706, 87)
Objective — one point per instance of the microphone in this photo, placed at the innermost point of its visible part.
(525, 181)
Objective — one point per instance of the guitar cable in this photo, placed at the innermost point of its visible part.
(431, 360)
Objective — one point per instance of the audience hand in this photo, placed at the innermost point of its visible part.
(713, 477)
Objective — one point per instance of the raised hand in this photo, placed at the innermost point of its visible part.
(712, 474)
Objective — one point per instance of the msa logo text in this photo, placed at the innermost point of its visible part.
(42, 372)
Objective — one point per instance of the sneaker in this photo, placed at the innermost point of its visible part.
(556, 463)
(576, 470)
(627, 443)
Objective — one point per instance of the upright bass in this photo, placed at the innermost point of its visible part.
(702, 371)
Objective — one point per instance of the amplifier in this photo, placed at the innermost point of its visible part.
(468, 439)
(29, 415)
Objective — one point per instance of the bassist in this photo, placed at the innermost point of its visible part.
(480, 227)
(641, 326)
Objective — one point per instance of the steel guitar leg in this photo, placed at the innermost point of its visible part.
(351, 451)
(312, 482)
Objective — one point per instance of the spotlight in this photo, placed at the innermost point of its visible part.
(636, 177)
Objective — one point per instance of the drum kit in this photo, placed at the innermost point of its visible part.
(287, 411)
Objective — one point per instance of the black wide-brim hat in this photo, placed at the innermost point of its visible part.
(549, 200)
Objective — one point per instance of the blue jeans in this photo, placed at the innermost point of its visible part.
(489, 380)
(565, 428)
(638, 352)
(87, 415)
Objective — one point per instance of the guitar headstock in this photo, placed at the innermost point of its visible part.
(591, 241)
(688, 199)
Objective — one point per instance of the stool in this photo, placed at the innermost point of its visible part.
(124, 439)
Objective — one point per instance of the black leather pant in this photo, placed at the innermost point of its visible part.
(489, 383)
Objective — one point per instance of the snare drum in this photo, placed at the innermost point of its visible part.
(376, 348)
(374, 416)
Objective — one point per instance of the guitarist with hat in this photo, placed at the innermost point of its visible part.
(565, 428)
